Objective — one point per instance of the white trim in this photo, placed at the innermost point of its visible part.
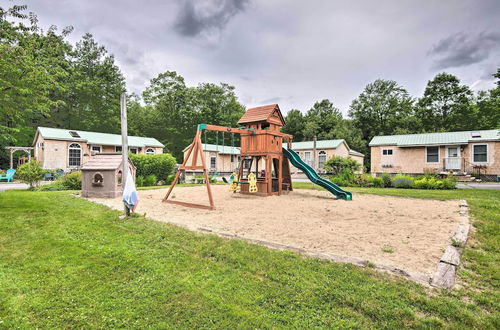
(439, 154)
(95, 145)
(74, 148)
(382, 152)
(150, 153)
(487, 153)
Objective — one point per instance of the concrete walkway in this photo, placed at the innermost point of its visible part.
(12, 185)
(477, 185)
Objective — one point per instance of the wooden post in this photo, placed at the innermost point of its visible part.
(11, 160)
(123, 115)
(314, 154)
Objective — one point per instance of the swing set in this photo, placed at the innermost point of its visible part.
(261, 147)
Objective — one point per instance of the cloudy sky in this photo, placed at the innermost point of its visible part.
(290, 52)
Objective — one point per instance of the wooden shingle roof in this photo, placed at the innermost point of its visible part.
(266, 113)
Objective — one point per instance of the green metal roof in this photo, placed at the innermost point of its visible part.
(444, 138)
(320, 144)
(96, 138)
(355, 153)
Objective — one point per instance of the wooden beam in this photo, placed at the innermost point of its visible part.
(198, 206)
(228, 129)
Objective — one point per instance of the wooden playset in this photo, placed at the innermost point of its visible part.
(263, 169)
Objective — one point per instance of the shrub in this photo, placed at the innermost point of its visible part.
(403, 183)
(386, 178)
(72, 181)
(150, 180)
(31, 173)
(54, 186)
(170, 178)
(339, 181)
(377, 182)
(338, 164)
(160, 165)
(139, 181)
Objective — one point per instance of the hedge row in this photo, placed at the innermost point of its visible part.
(159, 165)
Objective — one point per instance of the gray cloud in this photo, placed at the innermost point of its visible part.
(195, 17)
(461, 49)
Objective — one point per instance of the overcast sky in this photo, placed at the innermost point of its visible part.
(290, 52)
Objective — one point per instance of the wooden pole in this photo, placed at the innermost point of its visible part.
(123, 115)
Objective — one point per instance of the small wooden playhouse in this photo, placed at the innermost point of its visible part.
(102, 175)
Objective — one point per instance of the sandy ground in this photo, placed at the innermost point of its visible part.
(406, 233)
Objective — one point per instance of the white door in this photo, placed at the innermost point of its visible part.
(452, 158)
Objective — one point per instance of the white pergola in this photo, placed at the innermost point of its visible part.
(14, 149)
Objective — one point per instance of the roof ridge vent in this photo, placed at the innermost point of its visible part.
(475, 134)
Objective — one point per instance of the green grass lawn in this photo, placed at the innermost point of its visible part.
(68, 263)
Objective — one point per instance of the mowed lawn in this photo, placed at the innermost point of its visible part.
(68, 263)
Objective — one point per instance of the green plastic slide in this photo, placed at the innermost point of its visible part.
(314, 176)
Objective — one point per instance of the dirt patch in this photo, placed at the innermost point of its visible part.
(406, 233)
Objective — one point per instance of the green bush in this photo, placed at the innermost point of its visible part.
(338, 164)
(139, 181)
(31, 173)
(403, 183)
(72, 181)
(160, 165)
(386, 177)
(377, 182)
(150, 180)
(170, 178)
(54, 186)
(339, 181)
(426, 182)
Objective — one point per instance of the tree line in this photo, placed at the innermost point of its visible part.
(386, 108)
(47, 81)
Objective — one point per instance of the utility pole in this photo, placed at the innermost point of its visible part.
(314, 154)
(125, 169)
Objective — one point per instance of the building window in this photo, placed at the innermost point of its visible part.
(96, 149)
(307, 157)
(74, 154)
(133, 150)
(432, 154)
(387, 152)
(213, 160)
(150, 151)
(118, 149)
(321, 159)
(232, 158)
(480, 153)
(246, 163)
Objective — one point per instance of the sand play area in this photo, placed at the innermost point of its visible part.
(406, 233)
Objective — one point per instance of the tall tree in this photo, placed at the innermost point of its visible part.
(95, 85)
(488, 107)
(295, 124)
(321, 119)
(383, 108)
(446, 105)
(176, 109)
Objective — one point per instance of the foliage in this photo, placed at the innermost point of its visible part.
(170, 179)
(321, 119)
(386, 178)
(446, 105)
(339, 164)
(160, 165)
(177, 109)
(31, 173)
(139, 181)
(383, 108)
(72, 181)
(150, 180)
(295, 124)
(94, 259)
